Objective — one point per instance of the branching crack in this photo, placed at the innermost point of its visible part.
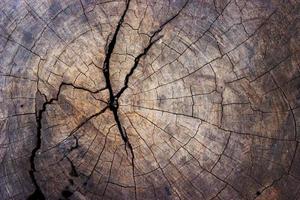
(38, 194)
(113, 98)
(113, 103)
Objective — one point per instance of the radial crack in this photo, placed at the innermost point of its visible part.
(38, 194)
(113, 100)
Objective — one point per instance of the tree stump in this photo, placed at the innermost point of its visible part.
(149, 99)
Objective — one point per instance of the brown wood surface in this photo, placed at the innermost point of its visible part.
(149, 99)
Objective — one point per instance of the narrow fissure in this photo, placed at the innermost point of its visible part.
(113, 99)
(113, 103)
(38, 194)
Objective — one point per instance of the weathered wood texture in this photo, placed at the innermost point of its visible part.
(149, 99)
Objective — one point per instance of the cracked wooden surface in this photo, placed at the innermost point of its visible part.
(145, 99)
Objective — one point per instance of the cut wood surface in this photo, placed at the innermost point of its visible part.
(149, 99)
